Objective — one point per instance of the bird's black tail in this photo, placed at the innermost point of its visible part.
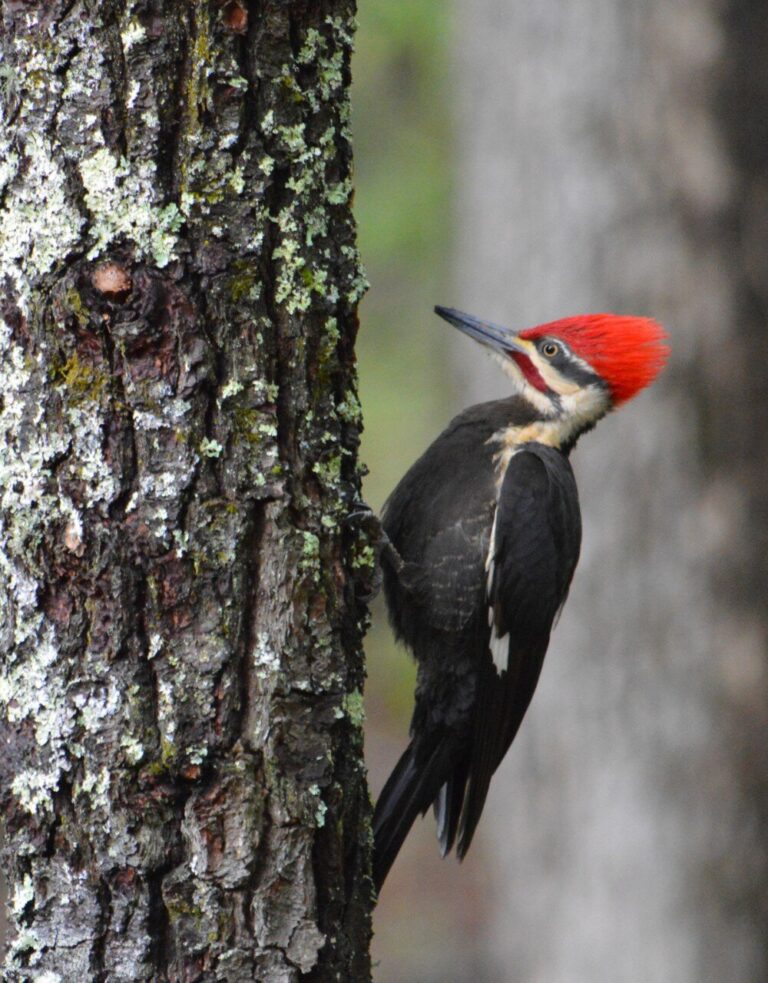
(411, 789)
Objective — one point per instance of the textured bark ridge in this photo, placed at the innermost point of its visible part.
(180, 685)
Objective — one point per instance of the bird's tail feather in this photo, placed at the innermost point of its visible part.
(448, 805)
(411, 789)
(502, 702)
(487, 751)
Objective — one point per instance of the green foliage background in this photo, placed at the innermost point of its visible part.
(402, 204)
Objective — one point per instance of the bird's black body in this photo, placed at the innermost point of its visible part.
(488, 529)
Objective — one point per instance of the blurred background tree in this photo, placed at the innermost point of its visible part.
(523, 162)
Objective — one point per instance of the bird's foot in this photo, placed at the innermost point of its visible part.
(384, 550)
(371, 524)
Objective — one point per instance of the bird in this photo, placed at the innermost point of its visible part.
(481, 539)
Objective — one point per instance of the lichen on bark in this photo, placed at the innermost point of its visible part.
(180, 620)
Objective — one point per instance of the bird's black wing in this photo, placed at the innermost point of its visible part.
(533, 552)
(453, 563)
(438, 519)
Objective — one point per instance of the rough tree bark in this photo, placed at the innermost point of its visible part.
(181, 771)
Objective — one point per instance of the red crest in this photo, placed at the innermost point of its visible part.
(627, 352)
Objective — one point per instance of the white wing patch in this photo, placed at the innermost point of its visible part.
(499, 651)
(498, 644)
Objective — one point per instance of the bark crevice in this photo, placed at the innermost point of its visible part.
(178, 617)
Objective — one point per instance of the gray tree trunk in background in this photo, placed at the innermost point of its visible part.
(613, 156)
(181, 773)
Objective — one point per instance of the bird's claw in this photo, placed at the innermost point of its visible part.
(384, 550)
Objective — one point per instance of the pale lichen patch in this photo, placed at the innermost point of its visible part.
(30, 248)
(231, 388)
(303, 280)
(266, 660)
(32, 686)
(33, 692)
(355, 708)
(134, 87)
(25, 945)
(313, 40)
(132, 34)
(210, 448)
(121, 199)
(97, 706)
(95, 785)
(34, 788)
(87, 461)
(133, 749)
(166, 714)
(181, 542)
(22, 895)
(320, 807)
(310, 552)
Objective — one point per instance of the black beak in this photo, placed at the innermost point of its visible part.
(500, 339)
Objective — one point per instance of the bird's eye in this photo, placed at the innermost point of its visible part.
(550, 349)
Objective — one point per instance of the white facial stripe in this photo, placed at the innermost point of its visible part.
(579, 361)
(575, 412)
(583, 408)
(543, 403)
(556, 380)
(553, 378)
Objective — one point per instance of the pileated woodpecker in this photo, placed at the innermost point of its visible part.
(483, 538)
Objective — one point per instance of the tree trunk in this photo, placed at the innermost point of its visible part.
(628, 824)
(182, 775)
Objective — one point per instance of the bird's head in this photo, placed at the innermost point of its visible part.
(577, 368)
